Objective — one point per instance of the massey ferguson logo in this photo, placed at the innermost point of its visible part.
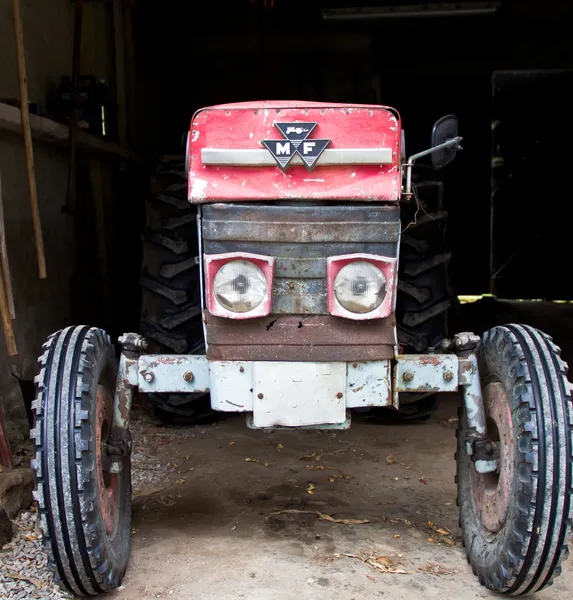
(296, 142)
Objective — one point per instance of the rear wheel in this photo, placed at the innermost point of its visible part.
(424, 294)
(516, 522)
(84, 503)
(171, 297)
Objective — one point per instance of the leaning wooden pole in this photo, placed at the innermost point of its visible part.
(25, 115)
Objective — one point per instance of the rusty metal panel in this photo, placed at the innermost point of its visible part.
(231, 386)
(426, 373)
(299, 338)
(245, 126)
(368, 384)
(290, 395)
(173, 373)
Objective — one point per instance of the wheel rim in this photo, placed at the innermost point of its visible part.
(492, 491)
(108, 483)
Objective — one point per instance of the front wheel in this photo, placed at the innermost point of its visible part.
(516, 522)
(83, 497)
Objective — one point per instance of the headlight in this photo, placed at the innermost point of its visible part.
(360, 287)
(240, 286)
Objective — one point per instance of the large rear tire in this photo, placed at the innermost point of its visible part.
(516, 523)
(424, 294)
(170, 286)
(84, 508)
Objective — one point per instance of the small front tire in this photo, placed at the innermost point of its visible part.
(516, 523)
(84, 507)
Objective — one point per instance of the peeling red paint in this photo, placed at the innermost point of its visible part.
(245, 125)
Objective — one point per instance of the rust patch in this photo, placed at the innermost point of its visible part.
(322, 338)
(428, 359)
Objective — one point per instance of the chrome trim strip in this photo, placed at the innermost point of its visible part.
(247, 157)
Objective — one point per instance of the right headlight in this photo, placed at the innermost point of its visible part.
(240, 286)
(360, 287)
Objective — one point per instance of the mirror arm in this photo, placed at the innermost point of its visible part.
(410, 163)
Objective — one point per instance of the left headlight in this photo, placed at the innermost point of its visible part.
(240, 286)
(360, 287)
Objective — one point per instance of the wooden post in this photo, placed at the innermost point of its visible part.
(6, 322)
(71, 196)
(25, 115)
(5, 263)
(119, 42)
(5, 452)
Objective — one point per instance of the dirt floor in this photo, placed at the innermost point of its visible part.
(205, 522)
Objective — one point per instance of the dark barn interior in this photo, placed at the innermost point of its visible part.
(96, 101)
(425, 66)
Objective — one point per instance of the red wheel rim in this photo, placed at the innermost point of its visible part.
(108, 483)
(492, 491)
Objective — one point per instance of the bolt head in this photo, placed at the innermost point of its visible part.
(241, 369)
(188, 376)
(355, 365)
(260, 396)
(408, 376)
(339, 395)
(448, 375)
(149, 377)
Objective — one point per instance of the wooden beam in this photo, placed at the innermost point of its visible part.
(119, 38)
(26, 129)
(51, 132)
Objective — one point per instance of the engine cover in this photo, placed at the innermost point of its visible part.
(294, 150)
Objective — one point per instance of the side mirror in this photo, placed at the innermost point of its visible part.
(444, 129)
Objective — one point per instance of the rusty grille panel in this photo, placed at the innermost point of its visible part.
(301, 238)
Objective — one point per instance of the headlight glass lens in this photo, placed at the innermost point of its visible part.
(240, 286)
(360, 287)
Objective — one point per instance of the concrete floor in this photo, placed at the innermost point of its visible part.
(203, 530)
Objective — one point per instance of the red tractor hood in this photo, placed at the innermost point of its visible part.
(294, 151)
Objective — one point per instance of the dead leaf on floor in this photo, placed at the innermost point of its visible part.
(231, 443)
(442, 535)
(251, 460)
(321, 516)
(382, 564)
(423, 480)
(280, 446)
(317, 456)
(267, 465)
(315, 467)
(436, 569)
(180, 481)
(310, 488)
(390, 459)
(396, 536)
(313, 456)
(33, 580)
(149, 492)
(450, 421)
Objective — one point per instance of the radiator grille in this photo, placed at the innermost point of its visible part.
(300, 238)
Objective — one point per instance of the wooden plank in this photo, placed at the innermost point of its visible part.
(5, 263)
(120, 77)
(5, 452)
(26, 130)
(51, 132)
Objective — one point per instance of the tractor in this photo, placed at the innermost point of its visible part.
(300, 210)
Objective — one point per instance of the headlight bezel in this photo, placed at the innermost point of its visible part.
(387, 265)
(213, 264)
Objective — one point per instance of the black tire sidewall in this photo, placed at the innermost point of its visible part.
(486, 550)
(115, 551)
